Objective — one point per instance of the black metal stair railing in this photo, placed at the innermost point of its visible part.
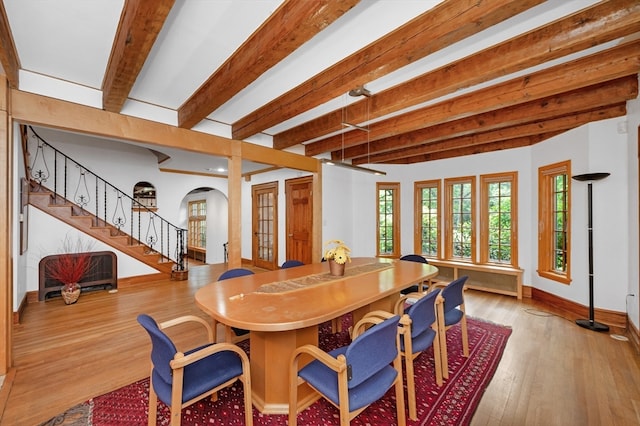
(76, 183)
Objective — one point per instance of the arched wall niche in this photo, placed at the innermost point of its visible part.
(145, 194)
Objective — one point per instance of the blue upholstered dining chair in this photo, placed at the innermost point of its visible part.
(420, 321)
(291, 264)
(234, 334)
(450, 312)
(179, 379)
(354, 376)
(420, 287)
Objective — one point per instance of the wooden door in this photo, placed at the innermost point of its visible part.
(299, 219)
(264, 247)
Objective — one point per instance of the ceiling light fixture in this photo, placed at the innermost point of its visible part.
(355, 126)
(358, 91)
(342, 164)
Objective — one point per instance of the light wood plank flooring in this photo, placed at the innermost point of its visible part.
(552, 372)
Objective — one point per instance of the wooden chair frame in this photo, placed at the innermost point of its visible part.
(408, 354)
(339, 365)
(180, 361)
(442, 330)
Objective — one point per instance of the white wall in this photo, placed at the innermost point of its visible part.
(597, 147)
(632, 128)
(348, 206)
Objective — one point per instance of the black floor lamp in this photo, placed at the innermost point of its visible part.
(590, 323)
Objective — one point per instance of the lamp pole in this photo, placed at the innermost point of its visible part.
(590, 323)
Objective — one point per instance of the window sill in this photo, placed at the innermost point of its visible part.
(555, 277)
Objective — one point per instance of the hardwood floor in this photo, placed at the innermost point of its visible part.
(552, 372)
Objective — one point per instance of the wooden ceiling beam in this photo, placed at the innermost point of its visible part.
(518, 142)
(289, 27)
(140, 24)
(616, 62)
(8, 54)
(595, 25)
(557, 124)
(445, 24)
(607, 93)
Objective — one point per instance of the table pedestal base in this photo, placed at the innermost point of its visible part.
(270, 362)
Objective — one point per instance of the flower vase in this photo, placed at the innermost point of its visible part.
(335, 268)
(70, 293)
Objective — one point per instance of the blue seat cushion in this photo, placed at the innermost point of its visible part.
(453, 317)
(422, 341)
(201, 376)
(325, 381)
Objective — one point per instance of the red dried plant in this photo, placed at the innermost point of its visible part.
(71, 266)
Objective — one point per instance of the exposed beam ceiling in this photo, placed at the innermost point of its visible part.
(447, 78)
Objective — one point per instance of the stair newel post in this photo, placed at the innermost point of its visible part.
(181, 266)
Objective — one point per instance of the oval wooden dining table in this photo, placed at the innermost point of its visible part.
(283, 308)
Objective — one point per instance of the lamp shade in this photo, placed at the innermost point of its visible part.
(590, 176)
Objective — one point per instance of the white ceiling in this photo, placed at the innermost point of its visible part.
(64, 46)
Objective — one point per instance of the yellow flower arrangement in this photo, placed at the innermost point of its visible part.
(338, 252)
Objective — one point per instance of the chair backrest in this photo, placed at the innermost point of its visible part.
(414, 258)
(423, 313)
(233, 273)
(452, 293)
(291, 264)
(372, 351)
(162, 348)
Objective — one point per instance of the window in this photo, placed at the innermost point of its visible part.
(388, 219)
(498, 233)
(554, 237)
(197, 224)
(460, 226)
(427, 218)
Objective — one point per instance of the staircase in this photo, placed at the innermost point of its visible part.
(70, 192)
(75, 216)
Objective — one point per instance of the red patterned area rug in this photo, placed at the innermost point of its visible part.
(452, 404)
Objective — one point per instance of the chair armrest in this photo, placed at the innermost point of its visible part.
(371, 318)
(398, 308)
(437, 284)
(180, 360)
(186, 319)
(315, 352)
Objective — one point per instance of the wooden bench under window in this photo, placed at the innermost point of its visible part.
(493, 278)
(197, 253)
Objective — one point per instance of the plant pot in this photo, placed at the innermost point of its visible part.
(70, 293)
(336, 269)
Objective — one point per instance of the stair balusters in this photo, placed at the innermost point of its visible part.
(126, 209)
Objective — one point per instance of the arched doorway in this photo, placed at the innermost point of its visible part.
(204, 213)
